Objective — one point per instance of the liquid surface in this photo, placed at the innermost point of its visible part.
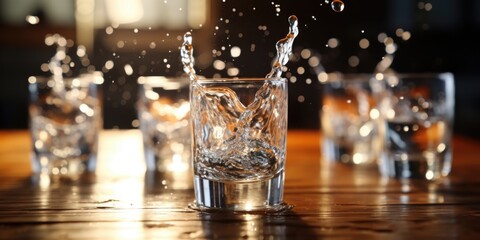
(234, 142)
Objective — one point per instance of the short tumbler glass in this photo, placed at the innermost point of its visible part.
(164, 112)
(239, 143)
(419, 110)
(65, 120)
(350, 120)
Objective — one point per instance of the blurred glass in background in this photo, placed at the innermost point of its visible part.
(132, 38)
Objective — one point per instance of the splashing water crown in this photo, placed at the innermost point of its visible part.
(283, 46)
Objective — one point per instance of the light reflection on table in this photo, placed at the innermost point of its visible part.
(121, 201)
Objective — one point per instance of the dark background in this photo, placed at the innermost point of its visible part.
(443, 39)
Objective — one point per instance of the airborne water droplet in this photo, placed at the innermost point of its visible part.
(32, 19)
(337, 5)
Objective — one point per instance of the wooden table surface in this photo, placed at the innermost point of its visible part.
(331, 201)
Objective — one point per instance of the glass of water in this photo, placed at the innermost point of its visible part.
(65, 120)
(239, 143)
(350, 120)
(164, 112)
(419, 110)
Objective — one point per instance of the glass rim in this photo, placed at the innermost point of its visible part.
(325, 78)
(158, 79)
(241, 80)
(420, 74)
(93, 77)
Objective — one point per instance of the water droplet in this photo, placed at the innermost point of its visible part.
(300, 70)
(428, 7)
(364, 43)
(32, 19)
(120, 44)
(233, 71)
(337, 5)
(301, 99)
(306, 53)
(219, 65)
(81, 51)
(109, 30)
(128, 69)
(136, 123)
(109, 64)
(353, 61)
(333, 43)
(235, 51)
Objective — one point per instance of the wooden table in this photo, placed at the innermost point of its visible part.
(330, 201)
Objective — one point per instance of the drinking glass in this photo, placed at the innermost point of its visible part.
(65, 120)
(239, 143)
(164, 112)
(350, 120)
(419, 110)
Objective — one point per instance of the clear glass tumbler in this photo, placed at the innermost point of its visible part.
(350, 120)
(65, 120)
(419, 110)
(164, 113)
(239, 143)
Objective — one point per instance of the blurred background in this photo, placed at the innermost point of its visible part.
(125, 39)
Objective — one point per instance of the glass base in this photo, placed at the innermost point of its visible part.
(358, 153)
(415, 166)
(71, 168)
(259, 196)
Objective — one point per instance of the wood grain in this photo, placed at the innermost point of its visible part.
(331, 201)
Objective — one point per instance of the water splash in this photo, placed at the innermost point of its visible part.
(186, 53)
(390, 48)
(284, 48)
(55, 65)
